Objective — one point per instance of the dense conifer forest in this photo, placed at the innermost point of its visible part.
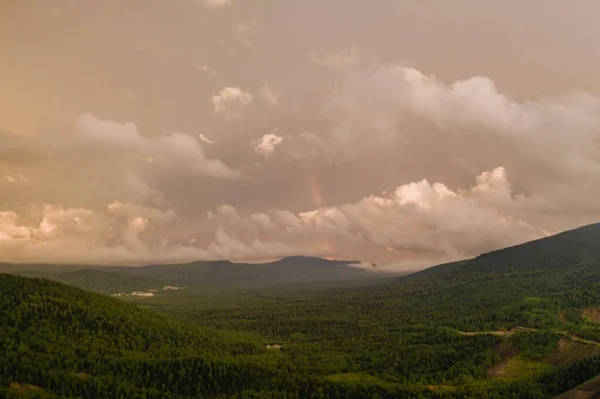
(519, 323)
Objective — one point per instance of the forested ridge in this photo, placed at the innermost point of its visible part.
(194, 275)
(472, 329)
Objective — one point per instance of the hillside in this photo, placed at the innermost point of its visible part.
(60, 341)
(68, 341)
(199, 275)
(522, 324)
(559, 251)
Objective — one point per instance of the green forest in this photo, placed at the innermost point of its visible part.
(523, 322)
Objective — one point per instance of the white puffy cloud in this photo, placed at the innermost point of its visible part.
(419, 222)
(121, 233)
(431, 219)
(9, 229)
(388, 104)
(267, 143)
(227, 97)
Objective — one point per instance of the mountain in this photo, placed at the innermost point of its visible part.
(557, 252)
(227, 274)
(534, 284)
(201, 274)
(523, 322)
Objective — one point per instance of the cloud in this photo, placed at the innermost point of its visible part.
(124, 134)
(450, 220)
(267, 143)
(128, 209)
(217, 3)
(188, 151)
(469, 168)
(338, 60)
(269, 96)
(227, 211)
(227, 97)
(242, 32)
(205, 139)
(170, 150)
(225, 246)
(205, 68)
(121, 233)
(308, 145)
(423, 223)
(17, 178)
(396, 115)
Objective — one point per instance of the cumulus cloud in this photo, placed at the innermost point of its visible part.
(228, 211)
(451, 220)
(267, 143)
(227, 97)
(120, 233)
(418, 224)
(549, 149)
(384, 125)
(389, 100)
(171, 150)
(423, 223)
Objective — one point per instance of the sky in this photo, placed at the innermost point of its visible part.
(401, 132)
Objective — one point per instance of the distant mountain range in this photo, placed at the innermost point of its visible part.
(201, 274)
(555, 252)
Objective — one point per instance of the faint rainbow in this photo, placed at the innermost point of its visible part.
(319, 202)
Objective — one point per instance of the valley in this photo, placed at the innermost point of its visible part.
(520, 322)
(197, 275)
(283, 199)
